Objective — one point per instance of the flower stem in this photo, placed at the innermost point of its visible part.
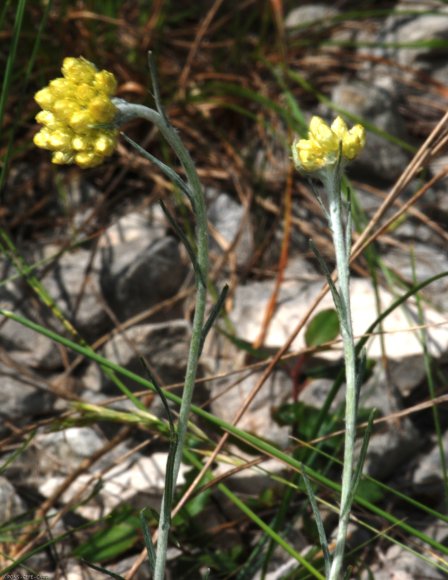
(128, 111)
(341, 241)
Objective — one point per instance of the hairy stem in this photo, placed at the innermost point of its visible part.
(340, 240)
(128, 111)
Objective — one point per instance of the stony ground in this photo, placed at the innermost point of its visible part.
(120, 275)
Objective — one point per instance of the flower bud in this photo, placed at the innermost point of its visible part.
(60, 140)
(46, 118)
(45, 98)
(61, 158)
(78, 70)
(105, 144)
(102, 110)
(80, 121)
(85, 93)
(60, 87)
(88, 159)
(105, 82)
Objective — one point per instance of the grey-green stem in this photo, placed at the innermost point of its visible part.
(129, 111)
(332, 182)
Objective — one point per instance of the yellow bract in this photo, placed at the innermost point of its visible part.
(77, 109)
(324, 143)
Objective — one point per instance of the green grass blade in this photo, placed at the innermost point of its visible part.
(17, 453)
(262, 525)
(19, 107)
(4, 12)
(252, 440)
(390, 490)
(101, 569)
(8, 74)
(42, 547)
(363, 341)
(221, 88)
(427, 362)
(7, 77)
(8, 248)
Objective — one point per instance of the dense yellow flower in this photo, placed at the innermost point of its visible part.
(78, 114)
(324, 143)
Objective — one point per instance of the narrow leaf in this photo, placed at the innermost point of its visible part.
(348, 227)
(360, 373)
(336, 298)
(184, 240)
(160, 393)
(165, 169)
(214, 313)
(148, 541)
(319, 523)
(155, 87)
(362, 457)
(99, 568)
(319, 199)
(169, 483)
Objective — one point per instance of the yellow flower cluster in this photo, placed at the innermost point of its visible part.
(324, 144)
(77, 114)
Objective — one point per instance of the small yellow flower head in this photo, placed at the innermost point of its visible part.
(78, 114)
(324, 144)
